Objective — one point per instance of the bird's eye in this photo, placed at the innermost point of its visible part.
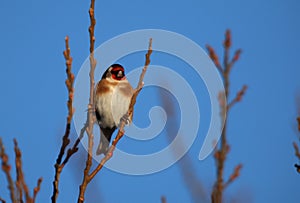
(117, 74)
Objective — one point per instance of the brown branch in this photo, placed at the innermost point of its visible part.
(227, 40)
(214, 58)
(90, 114)
(65, 140)
(238, 97)
(19, 191)
(74, 148)
(20, 174)
(236, 57)
(6, 169)
(16, 194)
(235, 174)
(37, 188)
(92, 26)
(129, 112)
(19, 185)
(227, 45)
(147, 62)
(222, 151)
(297, 152)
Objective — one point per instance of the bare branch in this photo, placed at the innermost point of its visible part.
(74, 148)
(222, 151)
(65, 140)
(227, 45)
(6, 169)
(214, 58)
(297, 152)
(238, 96)
(90, 114)
(16, 194)
(20, 174)
(227, 40)
(37, 188)
(235, 174)
(236, 57)
(92, 26)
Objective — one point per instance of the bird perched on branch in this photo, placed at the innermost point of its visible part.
(112, 99)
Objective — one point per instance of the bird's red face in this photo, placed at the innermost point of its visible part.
(117, 72)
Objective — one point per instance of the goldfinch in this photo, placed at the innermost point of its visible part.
(112, 98)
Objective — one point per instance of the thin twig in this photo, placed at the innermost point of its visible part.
(74, 148)
(297, 152)
(19, 185)
(16, 194)
(238, 97)
(227, 45)
(221, 153)
(6, 169)
(37, 188)
(19, 191)
(235, 174)
(90, 114)
(214, 58)
(65, 140)
(236, 57)
(20, 174)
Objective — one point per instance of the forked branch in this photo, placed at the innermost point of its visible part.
(223, 149)
(20, 187)
(6, 168)
(59, 165)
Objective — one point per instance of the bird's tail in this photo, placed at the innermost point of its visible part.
(105, 137)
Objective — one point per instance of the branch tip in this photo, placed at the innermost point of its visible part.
(227, 41)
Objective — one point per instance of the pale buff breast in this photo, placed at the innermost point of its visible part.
(121, 98)
(112, 101)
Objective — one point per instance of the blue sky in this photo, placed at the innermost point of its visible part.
(261, 128)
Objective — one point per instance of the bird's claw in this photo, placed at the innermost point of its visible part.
(125, 119)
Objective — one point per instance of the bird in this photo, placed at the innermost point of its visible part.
(112, 99)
